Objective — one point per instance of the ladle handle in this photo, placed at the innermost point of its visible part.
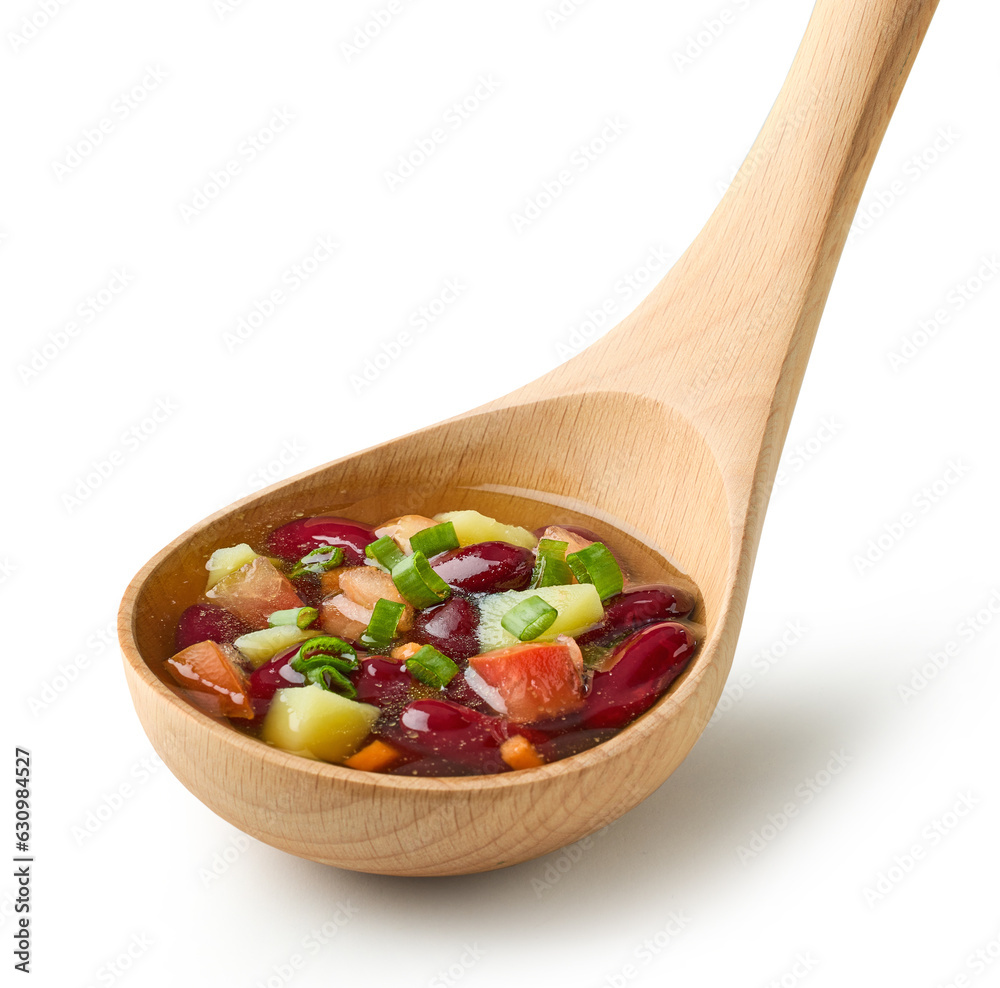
(726, 335)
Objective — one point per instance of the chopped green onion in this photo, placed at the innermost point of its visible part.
(385, 552)
(385, 617)
(418, 583)
(431, 667)
(529, 619)
(595, 564)
(301, 617)
(320, 560)
(324, 660)
(551, 568)
(431, 541)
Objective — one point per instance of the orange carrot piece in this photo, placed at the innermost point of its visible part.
(402, 652)
(373, 757)
(519, 752)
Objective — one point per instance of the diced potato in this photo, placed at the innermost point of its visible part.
(472, 527)
(260, 646)
(342, 617)
(402, 528)
(254, 592)
(311, 720)
(222, 562)
(579, 606)
(366, 585)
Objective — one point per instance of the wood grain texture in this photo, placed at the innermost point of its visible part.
(692, 395)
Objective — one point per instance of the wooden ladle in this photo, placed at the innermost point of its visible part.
(670, 426)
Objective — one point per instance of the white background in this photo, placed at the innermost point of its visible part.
(825, 646)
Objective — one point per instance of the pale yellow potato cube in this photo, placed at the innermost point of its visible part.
(579, 606)
(472, 527)
(314, 721)
(260, 646)
(222, 562)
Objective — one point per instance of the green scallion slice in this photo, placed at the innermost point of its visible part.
(301, 617)
(529, 619)
(431, 667)
(324, 660)
(595, 564)
(385, 552)
(326, 557)
(551, 568)
(418, 583)
(431, 541)
(385, 618)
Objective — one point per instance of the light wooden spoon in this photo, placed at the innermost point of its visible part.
(669, 427)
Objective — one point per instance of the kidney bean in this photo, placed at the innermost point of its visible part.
(636, 607)
(292, 541)
(208, 623)
(442, 729)
(275, 674)
(450, 627)
(648, 661)
(486, 567)
(383, 683)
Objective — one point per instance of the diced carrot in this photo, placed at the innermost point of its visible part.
(218, 685)
(402, 652)
(373, 757)
(519, 752)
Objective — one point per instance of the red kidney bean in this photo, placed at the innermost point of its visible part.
(450, 627)
(292, 541)
(636, 607)
(208, 623)
(383, 683)
(648, 662)
(486, 567)
(442, 729)
(275, 674)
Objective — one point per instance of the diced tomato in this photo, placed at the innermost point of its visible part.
(255, 591)
(536, 680)
(217, 684)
